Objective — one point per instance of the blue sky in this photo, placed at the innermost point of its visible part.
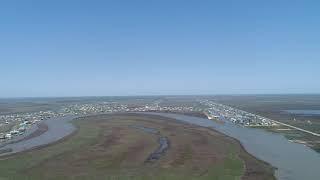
(83, 48)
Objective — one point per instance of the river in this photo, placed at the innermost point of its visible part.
(293, 161)
(58, 128)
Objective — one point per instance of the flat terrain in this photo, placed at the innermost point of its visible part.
(130, 146)
(274, 106)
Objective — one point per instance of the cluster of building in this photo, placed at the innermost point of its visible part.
(101, 108)
(223, 112)
(16, 124)
(94, 108)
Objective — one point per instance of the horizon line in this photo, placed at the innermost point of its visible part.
(217, 94)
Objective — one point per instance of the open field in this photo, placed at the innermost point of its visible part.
(119, 146)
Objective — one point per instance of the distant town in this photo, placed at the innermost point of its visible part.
(17, 124)
(223, 112)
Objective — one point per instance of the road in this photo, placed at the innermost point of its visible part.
(297, 128)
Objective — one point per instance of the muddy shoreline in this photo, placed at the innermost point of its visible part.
(47, 132)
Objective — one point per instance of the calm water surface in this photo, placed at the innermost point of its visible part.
(58, 128)
(294, 161)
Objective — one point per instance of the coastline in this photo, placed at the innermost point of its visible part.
(242, 148)
(7, 156)
(250, 162)
(57, 129)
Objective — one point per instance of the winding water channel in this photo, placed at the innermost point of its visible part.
(163, 143)
(294, 161)
(58, 128)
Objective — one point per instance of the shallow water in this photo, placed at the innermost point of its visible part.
(58, 128)
(294, 161)
(163, 143)
(146, 129)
